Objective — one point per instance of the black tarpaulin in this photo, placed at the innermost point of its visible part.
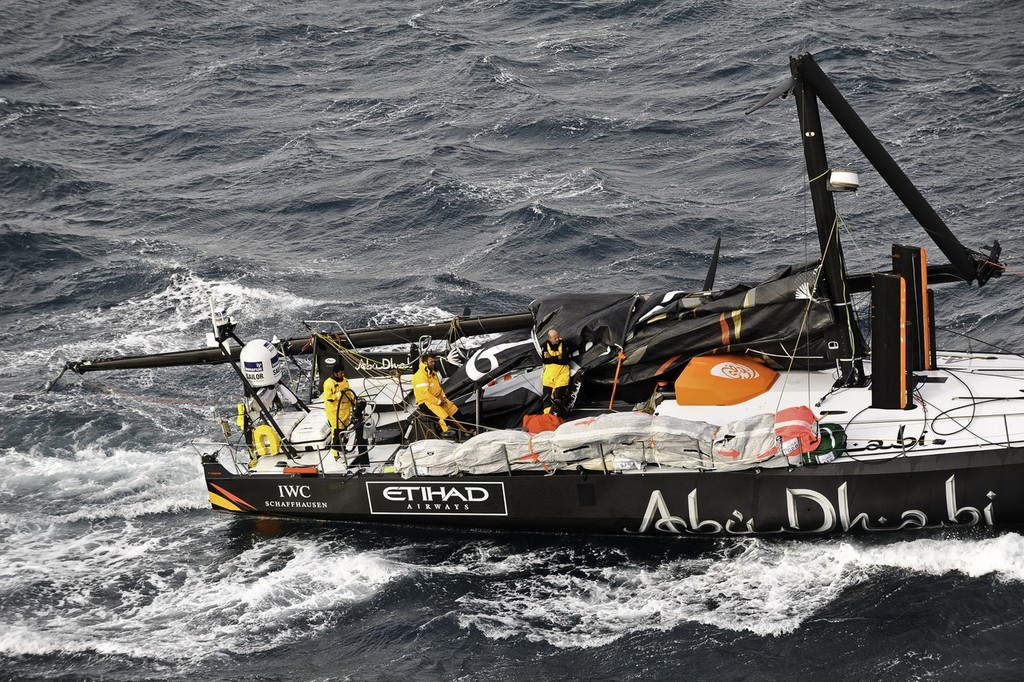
(597, 324)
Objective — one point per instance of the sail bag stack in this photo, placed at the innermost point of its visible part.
(627, 440)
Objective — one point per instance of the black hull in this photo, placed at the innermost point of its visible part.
(904, 493)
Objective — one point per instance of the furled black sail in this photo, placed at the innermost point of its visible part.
(779, 320)
(783, 320)
(499, 376)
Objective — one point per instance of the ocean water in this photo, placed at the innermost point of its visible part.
(395, 162)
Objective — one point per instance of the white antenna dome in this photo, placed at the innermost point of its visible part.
(261, 363)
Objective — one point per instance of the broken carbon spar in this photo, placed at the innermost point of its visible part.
(451, 329)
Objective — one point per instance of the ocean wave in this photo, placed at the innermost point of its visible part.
(176, 316)
(95, 483)
(41, 180)
(759, 587)
(276, 592)
(390, 164)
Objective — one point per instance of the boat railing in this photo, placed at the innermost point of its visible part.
(240, 455)
(314, 324)
(944, 433)
(239, 465)
(952, 429)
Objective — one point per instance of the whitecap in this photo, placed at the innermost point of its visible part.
(278, 591)
(756, 586)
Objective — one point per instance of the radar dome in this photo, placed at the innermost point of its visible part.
(261, 363)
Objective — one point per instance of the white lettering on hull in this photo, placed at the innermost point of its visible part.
(293, 491)
(472, 499)
(659, 517)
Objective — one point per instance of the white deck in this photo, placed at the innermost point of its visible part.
(971, 401)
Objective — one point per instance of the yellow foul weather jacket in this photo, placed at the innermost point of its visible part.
(428, 392)
(556, 364)
(338, 400)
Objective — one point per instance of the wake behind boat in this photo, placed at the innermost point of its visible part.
(757, 409)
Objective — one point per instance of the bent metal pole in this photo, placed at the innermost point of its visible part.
(968, 264)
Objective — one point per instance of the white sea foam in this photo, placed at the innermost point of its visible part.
(88, 565)
(267, 595)
(533, 187)
(1001, 556)
(98, 484)
(174, 318)
(184, 306)
(114, 584)
(765, 588)
(410, 313)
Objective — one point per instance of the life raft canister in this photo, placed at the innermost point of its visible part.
(723, 380)
(265, 440)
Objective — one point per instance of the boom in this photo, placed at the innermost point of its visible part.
(357, 338)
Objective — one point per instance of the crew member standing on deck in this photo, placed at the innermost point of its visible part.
(428, 392)
(555, 353)
(338, 399)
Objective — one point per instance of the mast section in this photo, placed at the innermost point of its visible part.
(968, 264)
(847, 347)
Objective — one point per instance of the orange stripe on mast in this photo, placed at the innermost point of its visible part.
(926, 318)
(903, 343)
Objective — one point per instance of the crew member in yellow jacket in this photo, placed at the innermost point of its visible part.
(428, 392)
(338, 399)
(555, 353)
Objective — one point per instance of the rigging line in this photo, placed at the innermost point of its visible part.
(973, 404)
(827, 171)
(982, 341)
(786, 355)
(846, 298)
(966, 429)
(873, 460)
(455, 334)
(845, 231)
(399, 339)
(800, 333)
(1000, 266)
(455, 331)
(162, 401)
(803, 323)
(993, 374)
(401, 407)
(807, 258)
(963, 427)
